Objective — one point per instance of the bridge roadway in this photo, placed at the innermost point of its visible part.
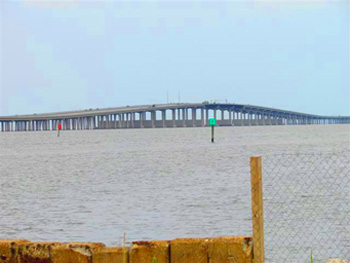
(163, 115)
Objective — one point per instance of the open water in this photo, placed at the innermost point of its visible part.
(149, 183)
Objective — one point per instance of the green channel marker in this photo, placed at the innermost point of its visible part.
(212, 123)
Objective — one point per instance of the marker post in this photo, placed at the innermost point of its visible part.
(59, 128)
(212, 123)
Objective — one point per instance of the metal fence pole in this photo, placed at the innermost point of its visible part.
(257, 209)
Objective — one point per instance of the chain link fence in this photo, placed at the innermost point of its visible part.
(306, 207)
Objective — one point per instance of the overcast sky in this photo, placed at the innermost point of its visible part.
(71, 54)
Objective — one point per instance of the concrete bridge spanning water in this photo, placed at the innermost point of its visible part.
(162, 116)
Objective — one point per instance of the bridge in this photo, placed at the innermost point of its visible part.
(164, 116)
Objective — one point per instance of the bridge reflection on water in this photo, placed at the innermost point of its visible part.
(164, 116)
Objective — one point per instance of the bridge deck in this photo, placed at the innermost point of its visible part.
(157, 107)
(181, 115)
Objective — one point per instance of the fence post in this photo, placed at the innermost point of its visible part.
(257, 209)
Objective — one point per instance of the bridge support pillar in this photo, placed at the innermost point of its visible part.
(153, 119)
(163, 118)
(173, 116)
(194, 117)
(206, 117)
(183, 117)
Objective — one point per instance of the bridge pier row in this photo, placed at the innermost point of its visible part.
(182, 115)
